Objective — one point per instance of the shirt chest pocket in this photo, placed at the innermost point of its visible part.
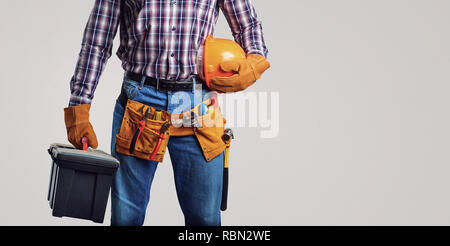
(203, 4)
(143, 18)
(202, 10)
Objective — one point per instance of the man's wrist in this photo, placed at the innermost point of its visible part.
(78, 100)
(257, 52)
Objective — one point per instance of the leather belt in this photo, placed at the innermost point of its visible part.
(163, 84)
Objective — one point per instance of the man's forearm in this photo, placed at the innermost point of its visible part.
(245, 25)
(95, 51)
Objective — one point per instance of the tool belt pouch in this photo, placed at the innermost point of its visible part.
(210, 133)
(140, 135)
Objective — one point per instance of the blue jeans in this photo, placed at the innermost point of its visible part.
(198, 182)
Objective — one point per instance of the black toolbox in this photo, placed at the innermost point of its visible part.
(80, 182)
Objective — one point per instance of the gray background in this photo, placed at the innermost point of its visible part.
(364, 114)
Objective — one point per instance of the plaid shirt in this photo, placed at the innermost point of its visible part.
(158, 38)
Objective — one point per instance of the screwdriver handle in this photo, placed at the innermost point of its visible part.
(223, 205)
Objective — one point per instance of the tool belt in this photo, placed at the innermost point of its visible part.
(145, 131)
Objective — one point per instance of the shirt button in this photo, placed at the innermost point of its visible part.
(172, 55)
(174, 28)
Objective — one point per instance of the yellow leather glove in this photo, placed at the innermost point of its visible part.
(78, 126)
(247, 72)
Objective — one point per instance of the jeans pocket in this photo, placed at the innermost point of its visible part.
(116, 124)
(118, 110)
(131, 88)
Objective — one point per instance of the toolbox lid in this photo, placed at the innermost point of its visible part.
(67, 153)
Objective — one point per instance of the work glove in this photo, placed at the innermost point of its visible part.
(246, 74)
(78, 126)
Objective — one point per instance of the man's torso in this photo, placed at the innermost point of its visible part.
(161, 38)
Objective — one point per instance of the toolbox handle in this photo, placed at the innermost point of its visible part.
(84, 141)
(50, 151)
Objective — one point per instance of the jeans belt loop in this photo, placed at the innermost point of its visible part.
(157, 84)
(142, 82)
(195, 85)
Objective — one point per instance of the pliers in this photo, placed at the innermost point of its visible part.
(162, 134)
(141, 127)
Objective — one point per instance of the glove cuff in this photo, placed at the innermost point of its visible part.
(75, 115)
(259, 64)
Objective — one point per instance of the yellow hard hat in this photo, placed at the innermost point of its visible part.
(213, 53)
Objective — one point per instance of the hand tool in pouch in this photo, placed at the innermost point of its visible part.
(203, 109)
(157, 116)
(227, 137)
(194, 121)
(141, 127)
(162, 135)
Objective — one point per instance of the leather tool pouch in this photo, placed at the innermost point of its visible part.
(141, 136)
(209, 135)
